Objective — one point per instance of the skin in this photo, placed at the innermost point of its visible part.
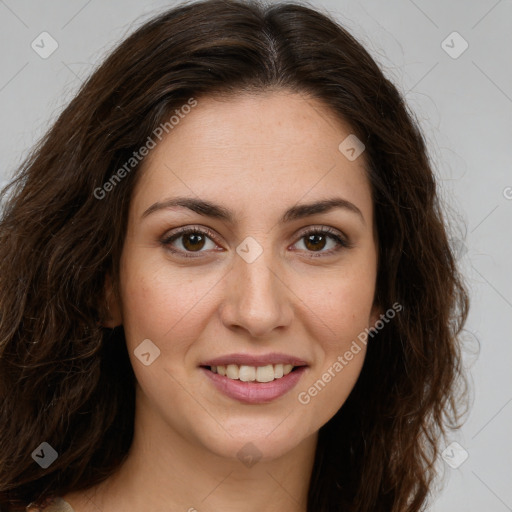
(257, 155)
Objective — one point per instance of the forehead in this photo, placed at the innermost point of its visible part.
(274, 147)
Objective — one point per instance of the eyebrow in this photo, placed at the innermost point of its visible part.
(215, 211)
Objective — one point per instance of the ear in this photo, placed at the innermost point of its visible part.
(112, 316)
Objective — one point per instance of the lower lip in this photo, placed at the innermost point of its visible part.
(255, 392)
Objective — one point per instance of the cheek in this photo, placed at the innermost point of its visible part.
(342, 301)
(166, 308)
(327, 390)
(340, 347)
(161, 303)
(341, 333)
(340, 307)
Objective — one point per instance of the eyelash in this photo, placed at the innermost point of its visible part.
(340, 240)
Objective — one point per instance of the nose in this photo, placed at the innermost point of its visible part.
(257, 298)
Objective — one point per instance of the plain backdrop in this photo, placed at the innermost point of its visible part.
(452, 62)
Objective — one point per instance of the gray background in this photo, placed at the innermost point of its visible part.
(464, 106)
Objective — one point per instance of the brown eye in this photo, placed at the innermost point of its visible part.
(315, 242)
(317, 239)
(193, 240)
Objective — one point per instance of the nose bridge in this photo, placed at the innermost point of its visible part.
(256, 299)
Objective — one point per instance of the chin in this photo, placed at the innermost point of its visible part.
(264, 439)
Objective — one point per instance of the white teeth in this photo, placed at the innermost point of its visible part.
(246, 373)
(232, 371)
(278, 371)
(265, 373)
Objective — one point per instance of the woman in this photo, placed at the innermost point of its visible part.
(226, 282)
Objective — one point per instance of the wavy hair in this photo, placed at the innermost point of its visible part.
(66, 380)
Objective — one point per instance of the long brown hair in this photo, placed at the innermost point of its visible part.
(67, 381)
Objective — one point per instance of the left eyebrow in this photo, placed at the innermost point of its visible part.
(209, 209)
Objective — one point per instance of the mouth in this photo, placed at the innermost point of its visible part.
(254, 384)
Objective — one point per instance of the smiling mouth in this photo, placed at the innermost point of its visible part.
(244, 373)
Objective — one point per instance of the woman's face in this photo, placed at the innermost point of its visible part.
(252, 281)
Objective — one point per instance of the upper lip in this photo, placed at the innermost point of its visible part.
(254, 360)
